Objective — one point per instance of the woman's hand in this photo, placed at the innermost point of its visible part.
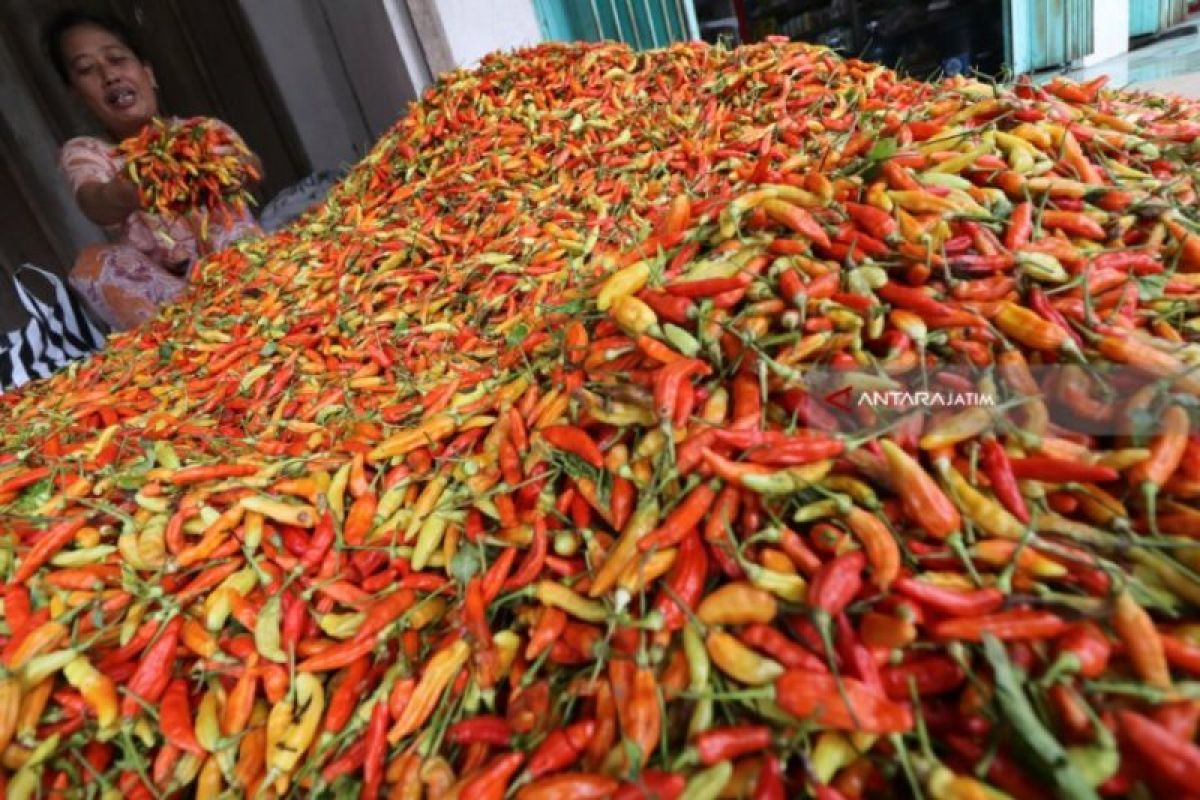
(108, 203)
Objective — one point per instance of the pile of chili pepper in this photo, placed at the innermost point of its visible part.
(183, 165)
(499, 475)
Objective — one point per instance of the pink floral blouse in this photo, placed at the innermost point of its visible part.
(169, 240)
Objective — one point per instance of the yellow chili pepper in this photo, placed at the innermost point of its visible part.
(292, 734)
(36, 642)
(44, 666)
(219, 604)
(207, 725)
(427, 501)
(699, 673)
(432, 430)
(640, 574)
(740, 662)
(300, 516)
(336, 494)
(26, 784)
(837, 750)
(737, 603)
(789, 480)
(633, 315)
(555, 594)
(622, 283)
(956, 428)
(441, 670)
(507, 644)
(643, 520)
(210, 781)
(341, 626)
(982, 510)
(10, 708)
(33, 703)
(428, 538)
(267, 631)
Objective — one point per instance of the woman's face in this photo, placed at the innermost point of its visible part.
(112, 81)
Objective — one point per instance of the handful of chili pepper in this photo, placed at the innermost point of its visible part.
(501, 473)
(186, 165)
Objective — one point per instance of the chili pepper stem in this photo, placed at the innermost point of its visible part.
(824, 623)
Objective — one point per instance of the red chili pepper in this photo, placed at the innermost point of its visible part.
(561, 748)
(571, 786)
(1057, 470)
(1040, 303)
(731, 742)
(769, 785)
(26, 478)
(535, 557)
(16, 609)
(153, 672)
(485, 728)
(1020, 226)
(1073, 223)
(1171, 758)
(672, 308)
(652, 784)
(999, 471)
(684, 583)
(1083, 650)
(1180, 654)
(930, 675)
(837, 583)
(703, 287)
(1003, 771)
(576, 441)
(845, 704)
(1126, 262)
(349, 761)
(384, 612)
(175, 717)
(781, 449)
(950, 601)
(876, 222)
(376, 751)
(774, 643)
(682, 519)
(493, 781)
(1181, 718)
(345, 695)
(46, 546)
(1015, 625)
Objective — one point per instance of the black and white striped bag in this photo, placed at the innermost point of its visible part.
(57, 333)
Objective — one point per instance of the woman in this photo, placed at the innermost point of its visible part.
(146, 264)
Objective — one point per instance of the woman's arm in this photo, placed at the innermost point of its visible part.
(110, 202)
(254, 161)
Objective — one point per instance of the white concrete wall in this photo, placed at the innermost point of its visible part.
(477, 27)
(1111, 20)
(457, 33)
(346, 69)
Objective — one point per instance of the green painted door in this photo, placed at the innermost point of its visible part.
(1048, 33)
(642, 24)
(1148, 17)
(1143, 17)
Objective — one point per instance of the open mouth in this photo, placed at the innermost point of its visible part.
(121, 97)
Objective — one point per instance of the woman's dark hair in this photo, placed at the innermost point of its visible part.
(54, 32)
